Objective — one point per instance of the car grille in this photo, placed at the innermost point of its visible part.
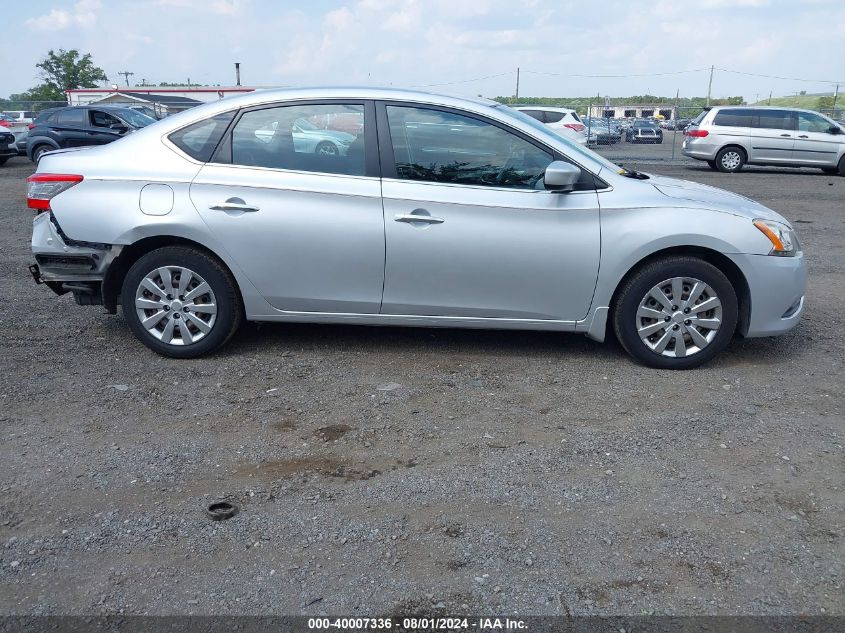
(6, 139)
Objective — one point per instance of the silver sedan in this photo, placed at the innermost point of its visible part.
(439, 212)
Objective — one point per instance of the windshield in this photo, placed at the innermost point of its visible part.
(572, 149)
(136, 119)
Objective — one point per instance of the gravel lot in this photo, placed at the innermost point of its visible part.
(386, 471)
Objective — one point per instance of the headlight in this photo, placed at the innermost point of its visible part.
(783, 239)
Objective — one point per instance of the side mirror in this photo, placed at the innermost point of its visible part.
(561, 176)
(834, 129)
(117, 127)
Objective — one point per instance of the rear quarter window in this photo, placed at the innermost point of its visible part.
(733, 118)
(199, 140)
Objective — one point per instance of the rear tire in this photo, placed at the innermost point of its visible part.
(3, 160)
(730, 159)
(691, 336)
(841, 168)
(181, 302)
(38, 152)
(712, 165)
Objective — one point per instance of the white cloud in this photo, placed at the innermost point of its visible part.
(83, 14)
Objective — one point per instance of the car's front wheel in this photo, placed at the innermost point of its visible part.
(39, 151)
(675, 313)
(181, 302)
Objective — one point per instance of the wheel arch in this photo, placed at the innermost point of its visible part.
(116, 272)
(735, 146)
(717, 259)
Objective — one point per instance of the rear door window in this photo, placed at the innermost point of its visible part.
(72, 117)
(534, 114)
(774, 120)
(554, 117)
(325, 138)
(733, 118)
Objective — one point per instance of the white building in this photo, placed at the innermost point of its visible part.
(162, 100)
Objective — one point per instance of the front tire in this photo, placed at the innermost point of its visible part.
(181, 302)
(730, 159)
(712, 165)
(3, 160)
(675, 313)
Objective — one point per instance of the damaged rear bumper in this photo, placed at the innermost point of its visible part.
(65, 265)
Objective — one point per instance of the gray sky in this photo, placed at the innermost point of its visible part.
(465, 47)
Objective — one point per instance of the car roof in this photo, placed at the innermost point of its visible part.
(541, 107)
(756, 107)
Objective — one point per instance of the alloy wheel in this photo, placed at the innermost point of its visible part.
(175, 305)
(679, 317)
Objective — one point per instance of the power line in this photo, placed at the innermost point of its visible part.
(812, 81)
(676, 72)
(465, 81)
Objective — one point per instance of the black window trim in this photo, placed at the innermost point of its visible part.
(222, 154)
(388, 160)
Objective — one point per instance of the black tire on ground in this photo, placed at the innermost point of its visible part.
(712, 165)
(38, 151)
(326, 147)
(730, 159)
(637, 285)
(833, 171)
(229, 308)
(3, 159)
(842, 166)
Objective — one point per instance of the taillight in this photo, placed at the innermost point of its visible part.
(5, 123)
(574, 126)
(30, 126)
(41, 188)
(697, 133)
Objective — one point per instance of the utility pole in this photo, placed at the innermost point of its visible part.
(517, 83)
(710, 85)
(127, 75)
(770, 97)
(237, 73)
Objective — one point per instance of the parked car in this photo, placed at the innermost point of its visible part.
(564, 121)
(602, 132)
(644, 131)
(7, 145)
(730, 137)
(307, 138)
(454, 213)
(78, 126)
(21, 116)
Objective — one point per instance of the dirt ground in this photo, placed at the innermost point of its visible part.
(390, 471)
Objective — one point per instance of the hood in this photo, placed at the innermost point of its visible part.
(713, 198)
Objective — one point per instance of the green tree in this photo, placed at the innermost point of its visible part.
(66, 70)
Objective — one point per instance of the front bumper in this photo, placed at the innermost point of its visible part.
(777, 286)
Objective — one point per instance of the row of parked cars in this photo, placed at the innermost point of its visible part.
(595, 130)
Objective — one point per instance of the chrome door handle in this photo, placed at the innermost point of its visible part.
(413, 217)
(233, 204)
(787, 135)
(803, 136)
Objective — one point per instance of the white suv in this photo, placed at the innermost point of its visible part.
(562, 120)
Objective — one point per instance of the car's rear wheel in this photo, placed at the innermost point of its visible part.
(3, 159)
(181, 302)
(841, 168)
(730, 159)
(326, 148)
(39, 151)
(675, 313)
(712, 164)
